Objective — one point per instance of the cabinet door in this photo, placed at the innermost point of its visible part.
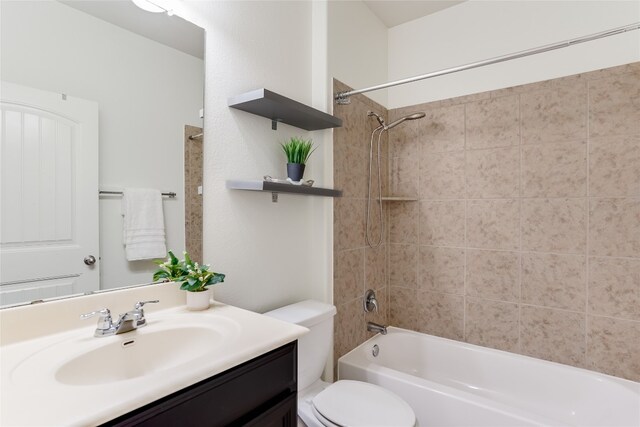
(284, 414)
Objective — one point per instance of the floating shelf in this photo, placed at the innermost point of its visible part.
(398, 199)
(275, 188)
(278, 108)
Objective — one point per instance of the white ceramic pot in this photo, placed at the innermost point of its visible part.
(199, 300)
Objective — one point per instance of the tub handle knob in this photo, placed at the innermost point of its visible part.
(370, 302)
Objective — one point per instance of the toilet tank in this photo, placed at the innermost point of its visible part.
(314, 347)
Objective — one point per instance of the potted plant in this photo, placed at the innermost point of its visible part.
(194, 278)
(298, 151)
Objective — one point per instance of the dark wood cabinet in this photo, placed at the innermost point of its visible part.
(260, 392)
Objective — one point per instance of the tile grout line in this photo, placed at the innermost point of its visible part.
(588, 225)
(466, 213)
(521, 193)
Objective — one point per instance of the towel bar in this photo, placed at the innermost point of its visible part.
(170, 194)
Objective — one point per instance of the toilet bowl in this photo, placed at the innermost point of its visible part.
(344, 402)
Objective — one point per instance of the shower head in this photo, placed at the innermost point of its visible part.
(414, 116)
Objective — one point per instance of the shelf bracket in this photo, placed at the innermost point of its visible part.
(274, 123)
(274, 197)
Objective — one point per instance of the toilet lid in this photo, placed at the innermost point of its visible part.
(356, 403)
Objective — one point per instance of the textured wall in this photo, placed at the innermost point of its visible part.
(526, 234)
(356, 266)
(269, 251)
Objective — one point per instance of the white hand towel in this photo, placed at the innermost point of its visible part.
(143, 225)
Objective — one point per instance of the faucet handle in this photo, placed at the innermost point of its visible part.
(370, 302)
(140, 319)
(104, 322)
(139, 304)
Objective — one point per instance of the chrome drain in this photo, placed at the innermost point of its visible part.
(375, 350)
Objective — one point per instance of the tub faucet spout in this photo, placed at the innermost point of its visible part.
(374, 327)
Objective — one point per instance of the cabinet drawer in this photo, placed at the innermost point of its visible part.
(241, 393)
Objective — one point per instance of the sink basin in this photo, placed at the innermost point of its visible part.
(86, 360)
(137, 356)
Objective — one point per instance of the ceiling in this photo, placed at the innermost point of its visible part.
(171, 31)
(393, 13)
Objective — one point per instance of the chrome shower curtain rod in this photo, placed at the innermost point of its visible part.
(343, 97)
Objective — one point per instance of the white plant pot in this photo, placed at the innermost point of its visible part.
(199, 300)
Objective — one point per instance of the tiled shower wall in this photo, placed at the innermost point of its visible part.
(356, 266)
(525, 235)
(192, 200)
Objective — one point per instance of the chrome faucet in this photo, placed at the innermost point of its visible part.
(128, 321)
(374, 327)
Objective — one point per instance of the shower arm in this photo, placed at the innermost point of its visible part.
(343, 97)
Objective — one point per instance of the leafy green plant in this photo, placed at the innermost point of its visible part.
(192, 276)
(298, 150)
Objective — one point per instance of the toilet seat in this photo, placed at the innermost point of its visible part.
(356, 403)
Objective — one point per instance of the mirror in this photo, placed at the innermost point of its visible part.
(98, 96)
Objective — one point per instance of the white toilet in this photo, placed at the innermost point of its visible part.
(345, 402)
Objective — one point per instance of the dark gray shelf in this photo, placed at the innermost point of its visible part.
(275, 187)
(278, 108)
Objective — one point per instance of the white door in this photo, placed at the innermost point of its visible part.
(49, 195)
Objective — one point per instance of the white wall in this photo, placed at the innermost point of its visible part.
(269, 251)
(357, 47)
(146, 93)
(477, 30)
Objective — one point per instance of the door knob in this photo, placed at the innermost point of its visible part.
(89, 260)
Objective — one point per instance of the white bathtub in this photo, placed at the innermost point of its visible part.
(450, 383)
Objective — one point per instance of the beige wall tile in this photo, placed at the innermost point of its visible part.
(493, 123)
(442, 223)
(613, 105)
(441, 270)
(492, 324)
(403, 222)
(375, 267)
(493, 224)
(441, 314)
(554, 170)
(493, 275)
(404, 140)
(614, 227)
(348, 276)
(349, 328)
(493, 173)
(614, 166)
(442, 129)
(348, 223)
(442, 175)
(614, 287)
(554, 115)
(613, 346)
(403, 262)
(403, 309)
(554, 225)
(351, 171)
(353, 132)
(554, 335)
(404, 176)
(557, 281)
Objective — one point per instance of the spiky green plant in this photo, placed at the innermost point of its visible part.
(192, 276)
(298, 150)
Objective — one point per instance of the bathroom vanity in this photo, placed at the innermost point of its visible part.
(222, 366)
(261, 392)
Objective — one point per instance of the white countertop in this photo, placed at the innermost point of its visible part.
(43, 401)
